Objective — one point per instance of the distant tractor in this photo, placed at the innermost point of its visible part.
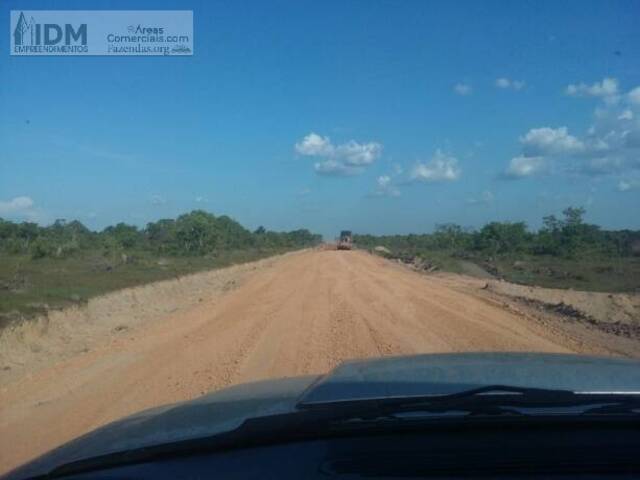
(345, 242)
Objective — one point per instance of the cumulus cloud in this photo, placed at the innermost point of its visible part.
(314, 145)
(506, 83)
(440, 168)
(335, 168)
(613, 140)
(550, 141)
(348, 158)
(463, 89)
(611, 145)
(387, 184)
(16, 206)
(607, 89)
(355, 153)
(521, 166)
(385, 187)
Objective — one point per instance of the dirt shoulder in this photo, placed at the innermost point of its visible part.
(607, 308)
(45, 340)
(599, 322)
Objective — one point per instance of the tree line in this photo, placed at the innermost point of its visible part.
(569, 236)
(195, 233)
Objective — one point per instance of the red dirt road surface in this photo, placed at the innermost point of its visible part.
(303, 313)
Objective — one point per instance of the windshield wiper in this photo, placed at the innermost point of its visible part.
(486, 400)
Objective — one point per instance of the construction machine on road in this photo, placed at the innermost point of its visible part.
(345, 242)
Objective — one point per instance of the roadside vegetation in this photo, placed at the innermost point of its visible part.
(66, 263)
(564, 253)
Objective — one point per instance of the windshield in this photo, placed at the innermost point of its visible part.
(195, 195)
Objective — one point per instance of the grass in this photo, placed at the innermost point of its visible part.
(615, 274)
(29, 287)
(591, 274)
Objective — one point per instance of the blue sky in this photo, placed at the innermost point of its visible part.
(380, 117)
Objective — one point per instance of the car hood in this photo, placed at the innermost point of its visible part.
(208, 415)
(439, 374)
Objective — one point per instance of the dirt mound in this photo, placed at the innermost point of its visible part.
(570, 313)
(605, 308)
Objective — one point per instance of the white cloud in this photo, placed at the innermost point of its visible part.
(550, 141)
(201, 199)
(345, 159)
(521, 166)
(608, 88)
(611, 145)
(441, 168)
(355, 153)
(303, 192)
(505, 83)
(16, 206)
(462, 89)
(314, 145)
(384, 181)
(335, 168)
(634, 96)
(385, 187)
(613, 141)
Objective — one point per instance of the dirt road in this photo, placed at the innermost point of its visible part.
(303, 314)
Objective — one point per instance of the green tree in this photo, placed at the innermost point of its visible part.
(126, 236)
(503, 237)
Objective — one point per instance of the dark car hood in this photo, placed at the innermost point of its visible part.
(438, 374)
